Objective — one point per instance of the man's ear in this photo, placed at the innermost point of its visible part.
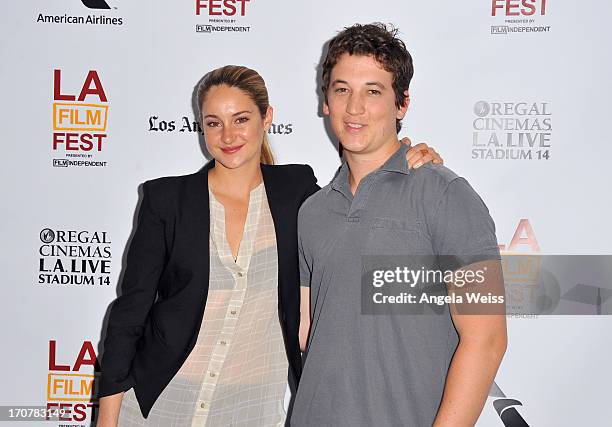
(401, 112)
(325, 108)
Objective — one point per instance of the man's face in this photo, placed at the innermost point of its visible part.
(361, 104)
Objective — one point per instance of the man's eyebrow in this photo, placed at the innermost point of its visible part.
(213, 116)
(374, 83)
(379, 84)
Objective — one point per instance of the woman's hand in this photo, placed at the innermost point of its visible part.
(108, 413)
(420, 154)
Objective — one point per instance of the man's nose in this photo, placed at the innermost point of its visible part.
(355, 105)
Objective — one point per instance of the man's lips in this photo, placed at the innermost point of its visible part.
(352, 127)
(231, 150)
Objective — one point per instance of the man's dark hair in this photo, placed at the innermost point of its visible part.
(380, 42)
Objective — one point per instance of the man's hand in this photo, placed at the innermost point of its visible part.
(420, 154)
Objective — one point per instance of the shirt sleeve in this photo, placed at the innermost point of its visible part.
(463, 232)
(305, 258)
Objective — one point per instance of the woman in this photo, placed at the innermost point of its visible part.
(211, 269)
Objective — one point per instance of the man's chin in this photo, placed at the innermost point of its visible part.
(355, 146)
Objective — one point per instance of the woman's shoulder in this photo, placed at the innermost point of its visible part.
(167, 192)
(173, 183)
(291, 171)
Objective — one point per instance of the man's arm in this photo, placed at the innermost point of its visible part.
(304, 316)
(305, 263)
(482, 344)
(464, 239)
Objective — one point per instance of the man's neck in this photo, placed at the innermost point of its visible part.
(361, 164)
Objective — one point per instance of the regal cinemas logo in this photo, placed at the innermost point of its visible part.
(224, 16)
(74, 257)
(518, 16)
(72, 382)
(511, 131)
(80, 120)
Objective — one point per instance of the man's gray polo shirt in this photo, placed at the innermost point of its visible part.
(381, 370)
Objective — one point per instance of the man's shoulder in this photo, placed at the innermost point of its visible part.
(314, 204)
(434, 181)
(434, 174)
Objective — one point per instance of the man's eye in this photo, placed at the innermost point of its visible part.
(374, 92)
(341, 90)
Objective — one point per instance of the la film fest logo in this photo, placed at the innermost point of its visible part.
(223, 16)
(92, 19)
(71, 387)
(74, 257)
(511, 130)
(529, 288)
(519, 16)
(80, 120)
(188, 125)
(523, 240)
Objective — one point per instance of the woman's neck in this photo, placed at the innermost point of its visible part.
(236, 182)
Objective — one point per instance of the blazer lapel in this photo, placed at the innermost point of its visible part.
(278, 209)
(201, 217)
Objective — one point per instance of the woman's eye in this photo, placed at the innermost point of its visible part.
(212, 124)
(242, 120)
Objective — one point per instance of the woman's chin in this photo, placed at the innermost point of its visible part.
(232, 161)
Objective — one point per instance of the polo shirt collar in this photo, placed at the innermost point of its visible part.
(341, 180)
(396, 163)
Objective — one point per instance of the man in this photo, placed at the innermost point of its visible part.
(393, 369)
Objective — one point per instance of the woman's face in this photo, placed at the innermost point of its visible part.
(233, 126)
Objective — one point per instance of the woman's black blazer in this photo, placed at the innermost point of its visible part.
(154, 324)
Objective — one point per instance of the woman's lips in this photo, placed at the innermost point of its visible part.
(231, 150)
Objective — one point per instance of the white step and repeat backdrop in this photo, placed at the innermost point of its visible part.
(97, 98)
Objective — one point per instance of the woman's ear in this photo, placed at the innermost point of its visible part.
(268, 118)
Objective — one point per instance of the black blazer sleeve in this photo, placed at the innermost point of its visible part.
(145, 263)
